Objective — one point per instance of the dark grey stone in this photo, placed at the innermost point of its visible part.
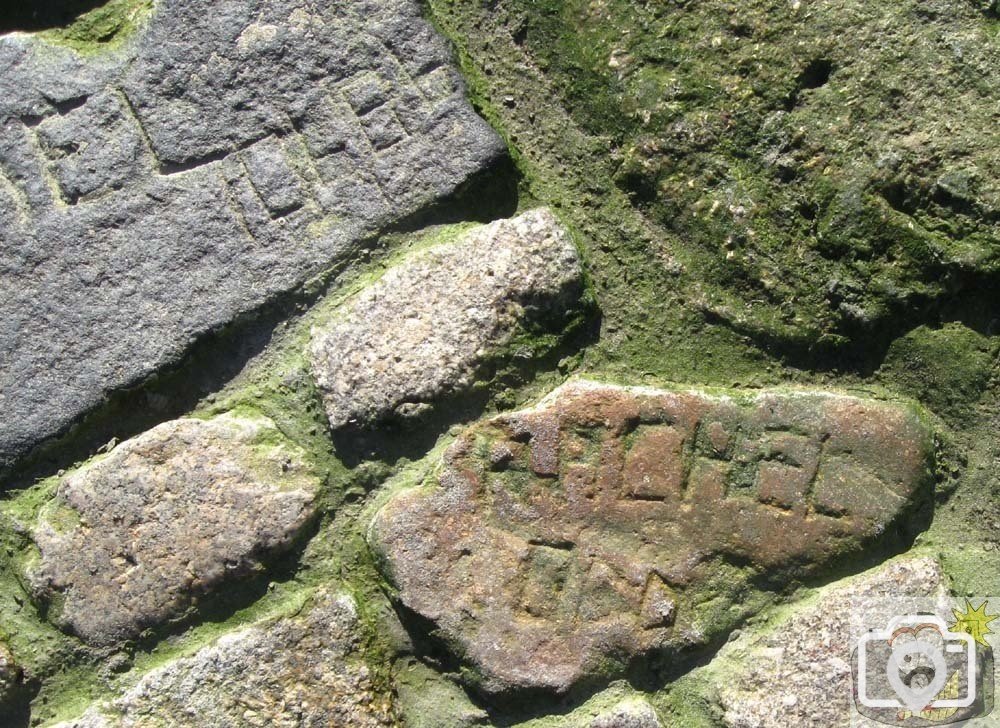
(223, 156)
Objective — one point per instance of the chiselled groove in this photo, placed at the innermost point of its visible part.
(129, 109)
(811, 485)
(302, 162)
(45, 167)
(18, 195)
(688, 454)
(236, 209)
(171, 168)
(558, 545)
(257, 193)
(645, 543)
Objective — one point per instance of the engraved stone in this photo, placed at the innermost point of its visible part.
(227, 153)
(563, 540)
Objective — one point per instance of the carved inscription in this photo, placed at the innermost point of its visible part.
(589, 526)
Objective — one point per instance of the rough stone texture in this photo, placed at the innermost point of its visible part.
(633, 713)
(825, 168)
(423, 328)
(429, 700)
(90, 719)
(231, 151)
(132, 539)
(560, 539)
(301, 672)
(800, 673)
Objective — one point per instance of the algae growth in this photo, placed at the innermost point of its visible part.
(781, 192)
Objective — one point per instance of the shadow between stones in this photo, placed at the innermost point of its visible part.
(503, 710)
(17, 709)
(43, 14)
(488, 195)
(216, 357)
(970, 302)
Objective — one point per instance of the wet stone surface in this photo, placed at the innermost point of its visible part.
(558, 543)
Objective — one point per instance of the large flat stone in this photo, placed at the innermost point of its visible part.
(131, 540)
(295, 672)
(558, 543)
(226, 154)
(420, 332)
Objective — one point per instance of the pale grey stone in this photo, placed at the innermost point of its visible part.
(631, 713)
(294, 672)
(91, 719)
(799, 672)
(421, 331)
(131, 539)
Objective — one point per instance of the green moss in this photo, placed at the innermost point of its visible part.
(689, 703)
(765, 207)
(947, 369)
(744, 223)
(104, 28)
(44, 653)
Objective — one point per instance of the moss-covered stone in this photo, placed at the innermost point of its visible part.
(815, 202)
(946, 368)
(104, 28)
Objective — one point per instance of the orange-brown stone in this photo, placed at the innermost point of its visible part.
(561, 541)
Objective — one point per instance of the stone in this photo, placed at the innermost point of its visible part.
(422, 330)
(132, 539)
(557, 544)
(294, 672)
(799, 672)
(225, 154)
(90, 719)
(631, 713)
